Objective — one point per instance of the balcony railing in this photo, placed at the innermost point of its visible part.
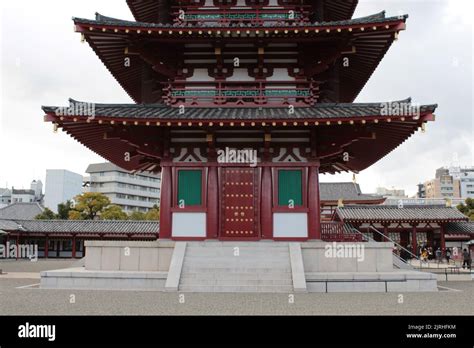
(238, 93)
(334, 232)
(253, 16)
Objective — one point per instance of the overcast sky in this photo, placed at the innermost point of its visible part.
(44, 63)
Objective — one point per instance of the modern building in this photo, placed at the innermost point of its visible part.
(34, 194)
(240, 108)
(61, 186)
(466, 180)
(391, 193)
(5, 197)
(131, 191)
(444, 185)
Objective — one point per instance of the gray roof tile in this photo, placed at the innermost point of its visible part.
(21, 211)
(84, 226)
(460, 228)
(347, 191)
(386, 213)
(161, 111)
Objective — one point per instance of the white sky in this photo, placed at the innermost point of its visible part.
(42, 62)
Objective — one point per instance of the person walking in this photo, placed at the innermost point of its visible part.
(438, 255)
(448, 255)
(466, 256)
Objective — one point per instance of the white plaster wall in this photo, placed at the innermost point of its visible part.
(290, 225)
(189, 225)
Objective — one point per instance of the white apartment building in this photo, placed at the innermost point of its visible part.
(61, 186)
(466, 178)
(132, 192)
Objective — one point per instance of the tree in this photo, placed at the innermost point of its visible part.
(153, 214)
(75, 215)
(63, 210)
(467, 208)
(89, 205)
(136, 215)
(47, 214)
(113, 212)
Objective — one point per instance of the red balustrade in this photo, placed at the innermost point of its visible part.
(334, 232)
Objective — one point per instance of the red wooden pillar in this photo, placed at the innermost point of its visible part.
(165, 202)
(266, 197)
(413, 240)
(385, 232)
(74, 246)
(314, 207)
(442, 239)
(46, 242)
(212, 203)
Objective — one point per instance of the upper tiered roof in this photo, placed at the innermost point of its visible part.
(158, 11)
(156, 49)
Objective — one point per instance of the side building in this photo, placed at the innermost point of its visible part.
(61, 186)
(132, 192)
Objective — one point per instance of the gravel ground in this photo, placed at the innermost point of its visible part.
(41, 265)
(35, 301)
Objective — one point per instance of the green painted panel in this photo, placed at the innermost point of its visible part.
(189, 187)
(290, 187)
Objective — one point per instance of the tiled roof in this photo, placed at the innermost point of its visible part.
(385, 213)
(8, 225)
(23, 192)
(460, 228)
(109, 21)
(83, 226)
(347, 191)
(21, 211)
(110, 167)
(319, 111)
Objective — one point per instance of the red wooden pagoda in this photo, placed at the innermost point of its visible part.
(241, 104)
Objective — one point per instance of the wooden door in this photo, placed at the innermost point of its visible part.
(239, 203)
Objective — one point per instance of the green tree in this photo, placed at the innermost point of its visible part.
(153, 214)
(113, 212)
(89, 205)
(47, 214)
(467, 208)
(136, 215)
(64, 209)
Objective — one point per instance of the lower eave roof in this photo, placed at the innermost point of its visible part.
(393, 214)
(371, 135)
(81, 226)
(458, 228)
(157, 112)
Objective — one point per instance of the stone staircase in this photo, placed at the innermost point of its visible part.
(236, 267)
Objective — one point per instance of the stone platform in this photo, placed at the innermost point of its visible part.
(264, 266)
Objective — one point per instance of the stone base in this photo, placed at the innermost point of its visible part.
(79, 278)
(211, 266)
(395, 281)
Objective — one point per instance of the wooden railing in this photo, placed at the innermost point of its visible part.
(240, 93)
(255, 16)
(334, 232)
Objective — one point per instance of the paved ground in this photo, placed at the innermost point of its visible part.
(34, 301)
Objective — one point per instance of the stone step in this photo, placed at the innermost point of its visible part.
(234, 282)
(236, 263)
(235, 275)
(235, 269)
(230, 253)
(231, 289)
(259, 244)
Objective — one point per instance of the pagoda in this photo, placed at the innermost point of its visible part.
(241, 104)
